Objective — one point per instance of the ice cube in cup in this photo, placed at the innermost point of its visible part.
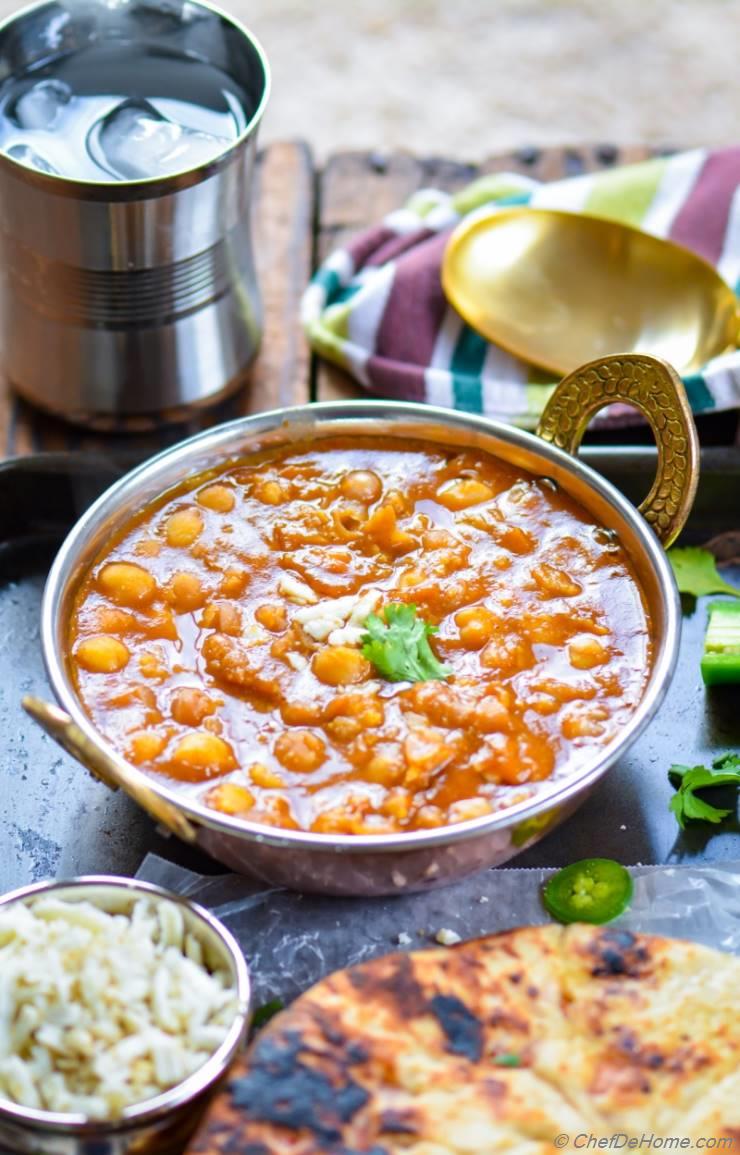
(40, 106)
(24, 154)
(135, 141)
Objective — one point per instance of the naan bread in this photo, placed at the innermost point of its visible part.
(410, 1054)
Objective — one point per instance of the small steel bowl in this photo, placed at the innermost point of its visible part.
(159, 1126)
(419, 859)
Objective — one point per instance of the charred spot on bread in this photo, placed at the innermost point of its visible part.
(619, 952)
(282, 1087)
(464, 1032)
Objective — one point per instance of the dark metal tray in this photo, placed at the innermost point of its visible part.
(55, 820)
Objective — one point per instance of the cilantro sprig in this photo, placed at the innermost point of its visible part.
(397, 644)
(266, 1012)
(685, 803)
(696, 573)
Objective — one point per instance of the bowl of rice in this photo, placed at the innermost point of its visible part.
(121, 1007)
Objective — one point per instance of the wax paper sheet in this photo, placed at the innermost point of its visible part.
(292, 940)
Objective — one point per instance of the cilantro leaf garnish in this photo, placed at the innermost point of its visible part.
(397, 644)
(507, 1061)
(266, 1012)
(695, 570)
(685, 804)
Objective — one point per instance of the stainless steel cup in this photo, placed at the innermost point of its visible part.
(139, 297)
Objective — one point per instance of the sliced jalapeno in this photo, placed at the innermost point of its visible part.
(594, 890)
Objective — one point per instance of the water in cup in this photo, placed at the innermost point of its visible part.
(120, 112)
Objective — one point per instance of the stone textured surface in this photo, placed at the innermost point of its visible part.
(467, 78)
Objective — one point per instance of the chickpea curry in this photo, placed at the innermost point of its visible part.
(358, 636)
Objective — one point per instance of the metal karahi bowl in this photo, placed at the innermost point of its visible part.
(160, 1125)
(394, 863)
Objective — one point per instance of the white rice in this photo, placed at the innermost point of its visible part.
(100, 1011)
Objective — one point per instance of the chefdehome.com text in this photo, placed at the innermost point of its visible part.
(583, 1141)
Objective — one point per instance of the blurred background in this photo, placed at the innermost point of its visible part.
(465, 78)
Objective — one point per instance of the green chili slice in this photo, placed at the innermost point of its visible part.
(594, 890)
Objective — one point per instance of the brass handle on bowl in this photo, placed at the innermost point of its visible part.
(62, 729)
(653, 387)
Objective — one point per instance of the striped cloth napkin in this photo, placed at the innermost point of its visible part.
(377, 309)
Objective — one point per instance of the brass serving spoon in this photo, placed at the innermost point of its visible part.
(558, 289)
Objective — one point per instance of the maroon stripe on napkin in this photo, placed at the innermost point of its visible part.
(395, 380)
(397, 245)
(702, 222)
(415, 307)
(362, 247)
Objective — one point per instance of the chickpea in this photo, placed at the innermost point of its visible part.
(536, 758)
(581, 721)
(410, 578)
(497, 760)
(397, 804)
(463, 492)
(148, 547)
(153, 665)
(136, 695)
(234, 583)
(222, 616)
(492, 714)
(301, 713)
(509, 654)
(543, 704)
(183, 528)
(343, 729)
(230, 798)
(189, 706)
(386, 768)
(397, 501)
(272, 811)
(263, 776)
(439, 539)
(468, 808)
(126, 583)
(429, 816)
(333, 821)
(270, 493)
(272, 617)
(555, 582)
(340, 666)
(145, 746)
(477, 625)
(361, 485)
(365, 708)
(382, 529)
(110, 621)
(517, 540)
(203, 753)
(185, 592)
(219, 498)
(425, 751)
(586, 652)
(440, 704)
(300, 750)
(102, 654)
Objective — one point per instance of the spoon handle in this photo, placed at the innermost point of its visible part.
(653, 387)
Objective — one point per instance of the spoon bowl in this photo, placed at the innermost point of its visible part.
(558, 289)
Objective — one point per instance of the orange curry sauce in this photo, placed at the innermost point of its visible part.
(218, 641)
